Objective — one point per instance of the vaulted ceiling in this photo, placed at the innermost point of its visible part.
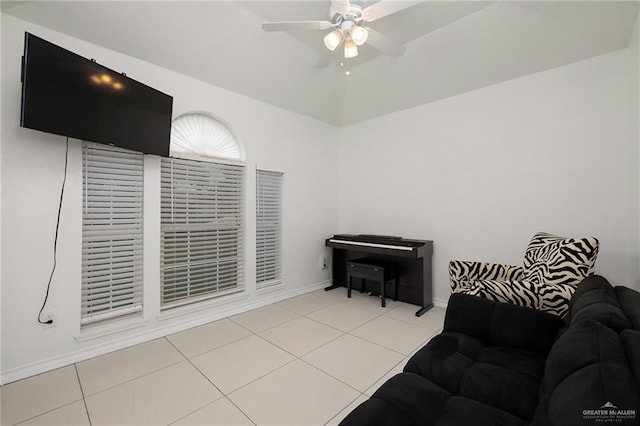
(452, 46)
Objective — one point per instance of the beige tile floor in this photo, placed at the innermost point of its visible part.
(308, 360)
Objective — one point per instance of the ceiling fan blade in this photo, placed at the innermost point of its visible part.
(385, 44)
(296, 25)
(384, 8)
(339, 7)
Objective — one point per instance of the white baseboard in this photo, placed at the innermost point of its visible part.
(220, 312)
(440, 303)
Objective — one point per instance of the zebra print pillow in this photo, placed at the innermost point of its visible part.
(551, 259)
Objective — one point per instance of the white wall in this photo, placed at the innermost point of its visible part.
(31, 174)
(635, 57)
(480, 173)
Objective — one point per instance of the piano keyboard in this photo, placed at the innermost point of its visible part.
(361, 243)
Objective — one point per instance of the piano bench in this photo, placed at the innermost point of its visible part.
(375, 270)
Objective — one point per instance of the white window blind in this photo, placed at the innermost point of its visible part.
(268, 228)
(202, 233)
(111, 233)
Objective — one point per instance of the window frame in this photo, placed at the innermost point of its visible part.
(112, 233)
(177, 233)
(269, 202)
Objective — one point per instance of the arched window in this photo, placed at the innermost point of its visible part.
(200, 134)
(201, 212)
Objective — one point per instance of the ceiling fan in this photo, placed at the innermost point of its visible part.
(345, 26)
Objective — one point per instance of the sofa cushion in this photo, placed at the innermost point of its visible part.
(421, 399)
(464, 411)
(501, 377)
(587, 368)
(445, 360)
(409, 400)
(469, 315)
(595, 299)
(405, 399)
(630, 304)
(631, 341)
(376, 411)
(558, 260)
(501, 324)
(502, 388)
(520, 361)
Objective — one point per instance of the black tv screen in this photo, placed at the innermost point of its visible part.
(66, 94)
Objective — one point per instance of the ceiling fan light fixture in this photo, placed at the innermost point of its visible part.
(333, 39)
(359, 35)
(350, 49)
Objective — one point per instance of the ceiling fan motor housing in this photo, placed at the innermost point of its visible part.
(344, 22)
(345, 27)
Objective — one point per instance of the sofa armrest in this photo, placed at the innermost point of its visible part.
(501, 324)
(551, 298)
(462, 273)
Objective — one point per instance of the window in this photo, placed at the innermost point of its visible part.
(201, 213)
(201, 230)
(197, 133)
(268, 228)
(111, 233)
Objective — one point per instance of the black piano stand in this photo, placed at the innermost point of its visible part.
(421, 311)
(411, 260)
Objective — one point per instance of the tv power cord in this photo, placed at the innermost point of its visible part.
(55, 240)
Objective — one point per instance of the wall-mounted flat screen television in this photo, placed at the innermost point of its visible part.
(66, 94)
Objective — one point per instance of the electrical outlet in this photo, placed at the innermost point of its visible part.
(49, 316)
(322, 262)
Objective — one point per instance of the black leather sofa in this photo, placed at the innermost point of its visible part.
(501, 364)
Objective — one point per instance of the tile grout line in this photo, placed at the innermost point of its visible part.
(46, 412)
(344, 408)
(137, 377)
(52, 409)
(224, 395)
(405, 359)
(253, 333)
(405, 356)
(351, 329)
(84, 399)
(383, 314)
(194, 366)
(295, 358)
(353, 335)
(332, 376)
(211, 349)
(308, 352)
(310, 312)
(268, 328)
(385, 347)
(256, 334)
(378, 314)
(343, 333)
(299, 358)
(264, 375)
